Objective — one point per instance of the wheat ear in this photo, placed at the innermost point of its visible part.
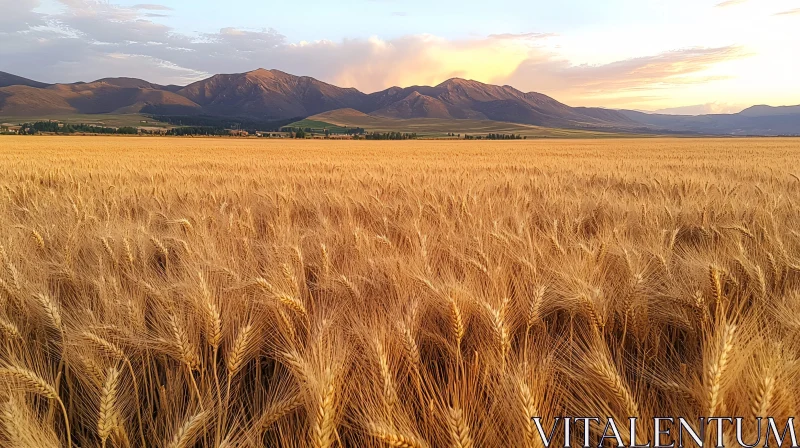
(459, 429)
(34, 383)
(324, 426)
(278, 410)
(114, 350)
(238, 350)
(457, 322)
(108, 418)
(189, 431)
(717, 369)
(615, 383)
(394, 438)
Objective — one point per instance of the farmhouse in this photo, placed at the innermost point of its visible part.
(9, 129)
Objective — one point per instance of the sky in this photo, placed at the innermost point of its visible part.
(677, 56)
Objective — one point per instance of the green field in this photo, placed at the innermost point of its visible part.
(108, 120)
(439, 127)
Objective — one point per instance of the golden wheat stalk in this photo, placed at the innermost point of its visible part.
(324, 427)
(717, 366)
(108, 417)
(459, 429)
(51, 309)
(9, 330)
(186, 351)
(187, 434)
(457, 322)
(277, 410)
(32, 382)
(238, 349)
(394, 438)
(389, 392)
(614, 382)
(212, 315)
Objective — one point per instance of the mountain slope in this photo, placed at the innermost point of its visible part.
(113, 95)
(7, 79)
(769, 111)
(19, 100)
(465, 99)
(442, 127)
(275, 95)
(759, 120)
(269, 94)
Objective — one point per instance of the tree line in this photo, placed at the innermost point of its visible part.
(197, 130)
(64, 128)
(495, 137)
(297, 132)
(390, 136)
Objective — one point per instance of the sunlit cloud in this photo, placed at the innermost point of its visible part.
(94, 39)
(791, 12)
(151, 7)
(704, 109)
(522, 36)
(730, 3)
(583, 83)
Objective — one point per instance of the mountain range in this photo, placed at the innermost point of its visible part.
(274, 95)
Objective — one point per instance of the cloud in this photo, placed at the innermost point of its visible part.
(399, 14)
(94, 39)
(522, 36)
(703, 109)
(649, 73)
(151, 7)
(791, 12)
(730, 3)
(20, 16)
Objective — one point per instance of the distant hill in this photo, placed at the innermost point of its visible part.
(440, 127)
(757, 120)
(105, 96)
(273, 95)
(269, 94)
(769, 111)
(7, 79)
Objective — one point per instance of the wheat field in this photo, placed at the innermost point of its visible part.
(168, 292)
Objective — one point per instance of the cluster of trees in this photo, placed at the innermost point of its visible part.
(451, 134)
(305, 132)
(63, 128)
(355, 131)
(390, 136)
(504, 137)
(198, 130)
(495, 137)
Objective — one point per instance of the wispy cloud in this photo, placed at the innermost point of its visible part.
(703, 109)
(791, 12)
(522, 36)
(730, 3)
(91, 40)
(151, 7)
(655, 73)
(399, 14)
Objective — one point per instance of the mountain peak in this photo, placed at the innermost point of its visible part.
(262, 73)
(460, 82)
